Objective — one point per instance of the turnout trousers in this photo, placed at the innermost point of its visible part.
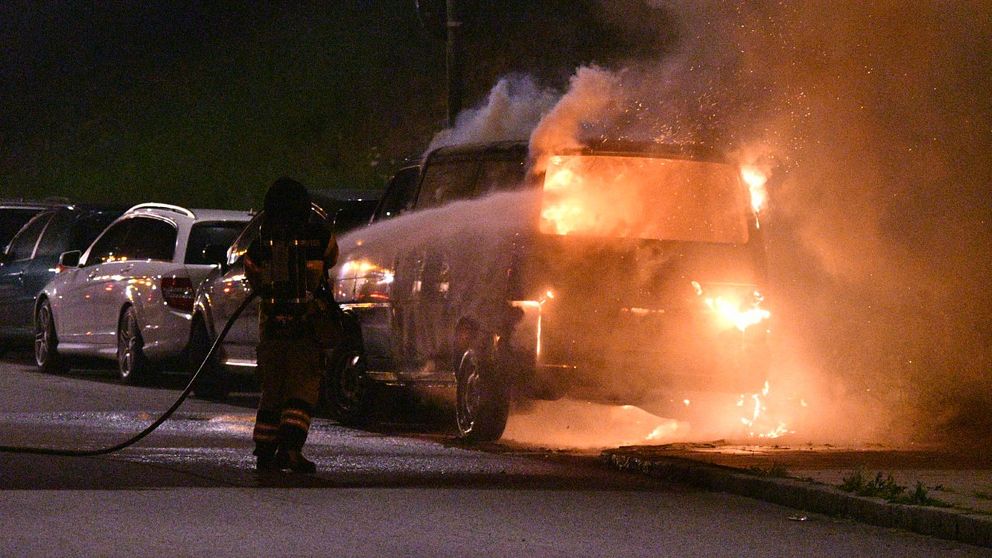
(289, 373)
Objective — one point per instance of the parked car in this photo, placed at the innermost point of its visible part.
(225, 288)
(30, 260)
(129, 296)
(346, 209)
(15, 213)
(619, 273)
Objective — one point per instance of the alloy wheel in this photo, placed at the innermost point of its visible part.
(43, 337)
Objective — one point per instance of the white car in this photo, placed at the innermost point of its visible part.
(130, 295)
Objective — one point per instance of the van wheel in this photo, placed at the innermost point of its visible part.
(345, 388)
(46, 342)
(482, 402)
(213, 382)
(132, 366)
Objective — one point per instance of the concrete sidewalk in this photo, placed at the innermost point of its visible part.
(955, 483)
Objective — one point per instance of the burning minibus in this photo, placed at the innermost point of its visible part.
(612, 272)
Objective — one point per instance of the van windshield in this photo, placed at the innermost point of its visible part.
(644, 197)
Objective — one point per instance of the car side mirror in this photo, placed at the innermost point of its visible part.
(70, 259)
(215, 254)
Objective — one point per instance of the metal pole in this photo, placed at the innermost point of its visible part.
(454, 61)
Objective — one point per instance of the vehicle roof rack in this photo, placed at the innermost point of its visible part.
(165, 206)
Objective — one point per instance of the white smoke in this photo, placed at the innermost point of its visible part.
(593, 95)
(511, 110)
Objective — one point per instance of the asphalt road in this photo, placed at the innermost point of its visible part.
(189, 489)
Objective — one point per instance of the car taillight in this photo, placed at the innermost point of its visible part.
(178, 293)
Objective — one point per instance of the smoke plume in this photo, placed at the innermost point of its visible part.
(878, 120)
(875, 123)
(514, 106)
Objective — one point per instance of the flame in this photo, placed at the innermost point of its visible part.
(731, 308)
(733, 312)
(359, 267)
(755, 180)
(566, 214)
(757, 421)
(643, 197)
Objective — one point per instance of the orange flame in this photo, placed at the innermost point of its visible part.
(755, 180)
(757, 420)
(643, 197)
(732, 312)
(567, 214)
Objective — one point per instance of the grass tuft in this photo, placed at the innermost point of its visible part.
(885, 486)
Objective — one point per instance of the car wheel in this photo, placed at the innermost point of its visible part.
(46, 352)
(213, 382)
(346, 388)
(132, 366)
(482, 403)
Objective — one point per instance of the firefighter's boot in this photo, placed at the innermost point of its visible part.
(294, 425)
(293, 460)
(266, 436)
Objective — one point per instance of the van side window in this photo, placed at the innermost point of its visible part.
(399, 194)
(500, 175)
(447, 181)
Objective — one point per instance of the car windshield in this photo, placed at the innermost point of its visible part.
(644, 197)
(221, 233)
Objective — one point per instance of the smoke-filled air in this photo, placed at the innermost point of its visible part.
(869, 128)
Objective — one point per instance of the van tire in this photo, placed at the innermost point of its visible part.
(482, 401)
(345, 389)
(346, 392)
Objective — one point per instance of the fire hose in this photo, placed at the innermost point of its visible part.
(158, 422)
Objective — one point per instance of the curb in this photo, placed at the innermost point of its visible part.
(811, 497)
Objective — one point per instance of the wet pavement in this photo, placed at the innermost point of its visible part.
(189, 489)
(197, 450)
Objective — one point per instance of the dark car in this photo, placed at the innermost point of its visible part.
(346, 209)
(30, 260)
(618, 273)
(225, 289)
(15, 213)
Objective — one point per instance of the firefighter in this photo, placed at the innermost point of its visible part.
(287, 266)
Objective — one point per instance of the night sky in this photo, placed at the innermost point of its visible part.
(206, 102)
